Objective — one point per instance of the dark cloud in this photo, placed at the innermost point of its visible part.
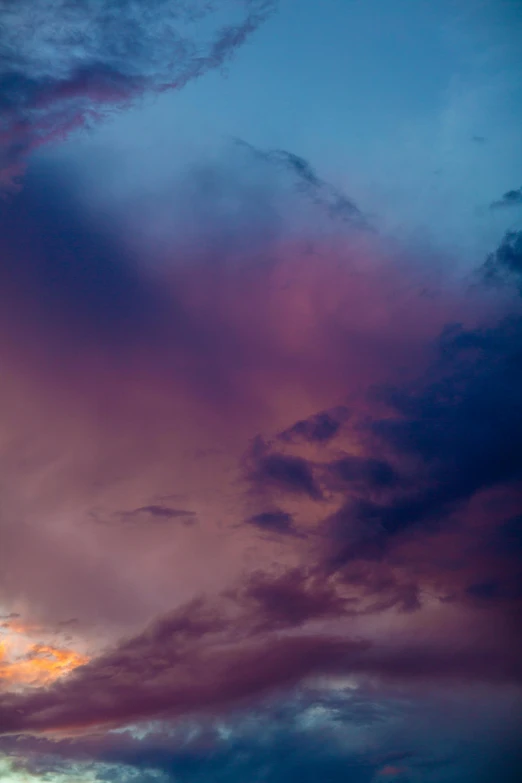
(148, 677)
(305, 736)
(63, 65)
(71, 285)
(70, 272)
(505, 263)
(317, 429)
(274, 522)
(267, 469)
(243, 756)
(291, 599)
(288, 474)
(512, 198)
(336, 204)
(157, 512)
(507, 536)
(306, 733)
(188, 664)
(302, 736)
(366, 472)
(465, 423)
(253, 640)
(460, 430)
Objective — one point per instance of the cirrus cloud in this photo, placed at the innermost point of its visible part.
(64, 65)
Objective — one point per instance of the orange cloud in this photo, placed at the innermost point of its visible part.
(40, 665)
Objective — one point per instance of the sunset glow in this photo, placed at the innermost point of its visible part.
(37, 666)
(260, 391)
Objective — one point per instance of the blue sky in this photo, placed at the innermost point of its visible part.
(413, 108)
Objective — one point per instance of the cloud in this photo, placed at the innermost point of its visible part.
(505, 263)
(149, 677)
(168, 672)
(333, 201)
(38, 666)
(447, 505)
(459, 425)
(383, 470)
(368, 472)
(66, 65)
(320, 428)
(274, 522)
(135, 377)
(155, 513)
(289, 600)
(308, 732)
(289, 474)
(381, 465)
(512, 198)
(253, 640)
(302, 735)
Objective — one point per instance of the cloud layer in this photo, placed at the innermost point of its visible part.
(384, 462)
(63, 65)
(299, 447)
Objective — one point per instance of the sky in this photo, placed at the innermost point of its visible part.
(260, 418)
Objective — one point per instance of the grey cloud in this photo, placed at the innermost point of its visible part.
(505, 263)
(512, 198)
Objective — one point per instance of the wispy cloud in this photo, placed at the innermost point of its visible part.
(333, 201)
(63, 65)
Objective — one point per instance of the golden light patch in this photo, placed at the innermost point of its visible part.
(37, 666)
